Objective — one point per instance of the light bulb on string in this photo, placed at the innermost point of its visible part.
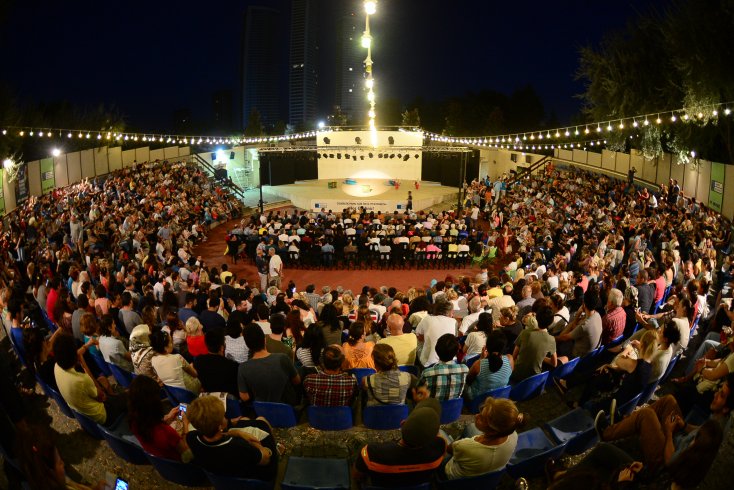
(586, 131)
(634, 124)
(609, 127)
(646, 123)
(621, 125)
(658, 120)
(715, 113)
(567, 133)
(727, 111)
(673, 118)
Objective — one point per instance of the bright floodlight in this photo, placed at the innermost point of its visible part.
(220, 155)
(370, 7)
(322, 124)
(56, 152)
(7, 163)
(366, 41)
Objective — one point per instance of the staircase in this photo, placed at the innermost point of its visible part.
(526, 172)
(226, 183)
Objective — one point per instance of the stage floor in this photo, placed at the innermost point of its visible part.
(374, 194)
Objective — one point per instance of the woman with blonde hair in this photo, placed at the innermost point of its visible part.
(488, 443)
(195, 337)
(347, 304)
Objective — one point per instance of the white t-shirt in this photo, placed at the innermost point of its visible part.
(472, 458)
(275, 265)
(432, 328)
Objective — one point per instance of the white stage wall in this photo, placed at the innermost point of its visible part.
(370, 168)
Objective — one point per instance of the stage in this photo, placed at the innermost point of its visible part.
(373, 194)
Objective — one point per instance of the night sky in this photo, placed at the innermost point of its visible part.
(152, 58)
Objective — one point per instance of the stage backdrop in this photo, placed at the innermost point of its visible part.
(364, 161)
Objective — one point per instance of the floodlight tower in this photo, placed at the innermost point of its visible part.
(370, 8)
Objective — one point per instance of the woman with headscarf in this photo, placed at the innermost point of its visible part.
(141, 352)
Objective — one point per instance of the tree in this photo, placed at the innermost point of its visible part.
(254, 124)
(679, 58)
(411, 118)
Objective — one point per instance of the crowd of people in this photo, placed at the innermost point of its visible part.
(586, 262)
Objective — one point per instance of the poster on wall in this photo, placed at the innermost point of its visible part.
(48, 181)
(21, 185)
(2, 193)
(716, 195)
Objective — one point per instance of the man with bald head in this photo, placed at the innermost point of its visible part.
(404, 344)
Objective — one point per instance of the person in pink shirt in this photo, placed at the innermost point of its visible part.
(659, 285)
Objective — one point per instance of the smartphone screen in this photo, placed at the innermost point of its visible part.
(181, 410)
(121, 484)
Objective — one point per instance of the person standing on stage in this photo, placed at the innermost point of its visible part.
(409, 207)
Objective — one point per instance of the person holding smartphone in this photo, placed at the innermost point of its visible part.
(152, 426)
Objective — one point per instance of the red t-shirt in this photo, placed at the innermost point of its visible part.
(163, 442)
(196, 344)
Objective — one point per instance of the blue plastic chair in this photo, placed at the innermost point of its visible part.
(669, 369)
(63, 406)
(124, 448)
(471, 360)
(234, 409)
(124, 378)
(409, 369)
(487, 481)
(658, 305)
(575, 429)
(316, 473)
(384, 417)
(588, 362)
(89, 425)
(529, 387)
(615, 342)
(627, 408)
(477, 402)
(185, 474)
(647, 392)
(101, 363)
(330, 418)
(451, 410)
(178, 395)
(563, 371)
(361, 373)
(279, 415)
(532, 451)
(221, 482)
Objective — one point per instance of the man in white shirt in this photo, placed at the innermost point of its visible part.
(275, 268)
(434, 326)
(475, 308)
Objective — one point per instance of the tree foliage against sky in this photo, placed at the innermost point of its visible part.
(681, 57)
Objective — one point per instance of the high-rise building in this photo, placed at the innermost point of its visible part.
(261, 41)
(222, 111)
(350, 94)
(303, 77)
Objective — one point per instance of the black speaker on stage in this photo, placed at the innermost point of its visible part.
(214, 157)
(231, 155)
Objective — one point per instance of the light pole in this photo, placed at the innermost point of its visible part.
(370, 8)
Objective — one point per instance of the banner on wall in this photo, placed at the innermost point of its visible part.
(21, 185)
(716, 194)
(48, 181)
(2, 194)
(374, 205)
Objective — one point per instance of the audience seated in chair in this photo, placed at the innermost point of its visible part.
(330, 386)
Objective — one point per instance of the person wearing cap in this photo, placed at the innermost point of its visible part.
(413, 459)
(488, 443)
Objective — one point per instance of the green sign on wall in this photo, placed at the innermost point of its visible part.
(716, 194)
(48, 181)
